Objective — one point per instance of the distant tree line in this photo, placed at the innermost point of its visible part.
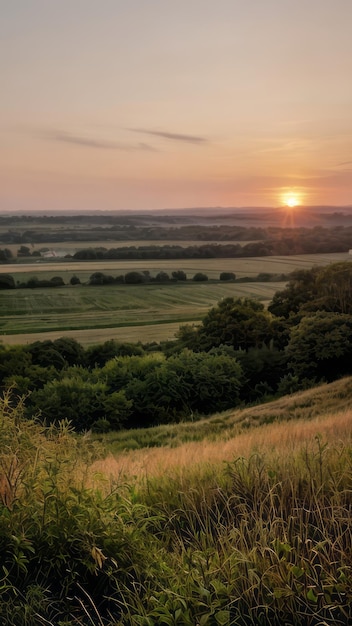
(257, 241)
(239, 353)
(133, 278)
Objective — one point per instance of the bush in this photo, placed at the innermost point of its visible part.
(227, 276)
(200, 277)
(75, 280)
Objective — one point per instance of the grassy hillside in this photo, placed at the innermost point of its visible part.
(240, 519)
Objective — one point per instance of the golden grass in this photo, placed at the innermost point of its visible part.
(277, 439)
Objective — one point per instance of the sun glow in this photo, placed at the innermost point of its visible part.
(291, 200)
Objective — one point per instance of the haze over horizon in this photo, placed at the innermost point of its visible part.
(112, 105)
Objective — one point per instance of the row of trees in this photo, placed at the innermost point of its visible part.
(256, 242)
(99, 278)
(241, 352)
(7, 281)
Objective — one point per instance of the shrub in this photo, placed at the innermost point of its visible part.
(200, 277)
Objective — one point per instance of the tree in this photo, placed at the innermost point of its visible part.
(7, 281)
(98, 278)
(70, 349)
(185, 384)
(321, 346)
(45, 354)
(162, 277)
(227, 276)
(200, 277)
(57, 281)
(97, 356)
(5, 255)
(82, 402)
(241, 323)
(179, 275)
(24, 251)
(335, 287)
(134, 278)
(301, 288)
(74, 280)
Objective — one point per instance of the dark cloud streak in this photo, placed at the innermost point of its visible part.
(98, 144)
(173, 136)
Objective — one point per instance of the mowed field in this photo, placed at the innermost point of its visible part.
(151, 312)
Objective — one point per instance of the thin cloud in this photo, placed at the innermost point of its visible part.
(88, 142)
(173, 136)
(344, 163)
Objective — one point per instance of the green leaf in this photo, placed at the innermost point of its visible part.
(222, 618)
(311, 596)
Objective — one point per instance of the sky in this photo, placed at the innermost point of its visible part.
(160, 104)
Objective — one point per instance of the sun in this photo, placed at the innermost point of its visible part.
(291, 200)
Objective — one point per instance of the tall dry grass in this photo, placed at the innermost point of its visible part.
(278, 439)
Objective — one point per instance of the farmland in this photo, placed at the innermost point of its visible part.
(132, 312)
(115, 308)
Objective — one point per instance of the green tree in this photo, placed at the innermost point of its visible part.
(185, 384)
(75, 280)
(321, 346)
(301, 288)
(70, 349)
(7, 281)
(227, 276)
(335, 287)
(83, 402)
(242, 323)
(45, 354)
(179, 275)
(200, 277)
(97, 356)
(162, 277)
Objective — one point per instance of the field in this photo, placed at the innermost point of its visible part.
(127, 312)
(250, 266)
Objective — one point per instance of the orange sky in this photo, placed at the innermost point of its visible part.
(108, 104)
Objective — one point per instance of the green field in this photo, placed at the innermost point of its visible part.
(151, 312)
(117, 307)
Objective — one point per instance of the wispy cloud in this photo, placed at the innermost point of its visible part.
(173, 136)
(99, 144)
(344, 163)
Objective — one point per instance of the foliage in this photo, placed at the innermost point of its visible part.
(98, 355)
(264, 540)
(227, 276)
(7, 281)
(320, 346)
(75, 280)
(179, 275)
(200, 277)
(319, 289)
(185, 384)
(80, 401)
(64, 549)
(241, 323)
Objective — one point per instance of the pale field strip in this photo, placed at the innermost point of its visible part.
(282, 439)
(249, 266)
(130, 334)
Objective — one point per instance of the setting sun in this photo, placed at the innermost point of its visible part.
(291, 200)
